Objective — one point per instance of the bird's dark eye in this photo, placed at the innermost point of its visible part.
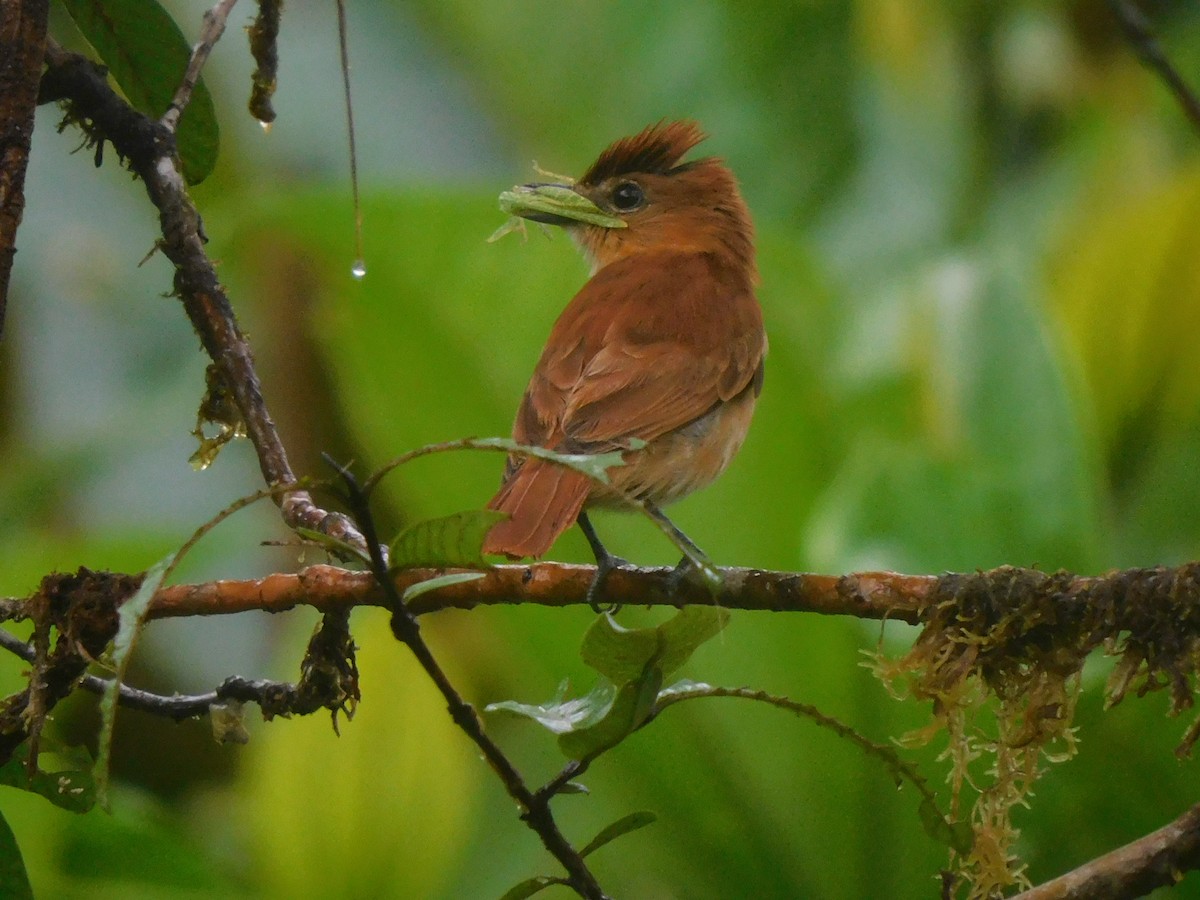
(627, 196)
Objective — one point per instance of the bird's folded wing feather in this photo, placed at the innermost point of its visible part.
(646, 347)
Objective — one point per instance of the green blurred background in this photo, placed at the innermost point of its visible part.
(981, 277)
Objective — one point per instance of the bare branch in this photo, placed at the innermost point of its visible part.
(22, 45)
(149, 147)
(214, 27)
(1157, 860)
(1137, 31)
(535, 806)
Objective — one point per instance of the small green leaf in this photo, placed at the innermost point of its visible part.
(147, 54)
(451, 541)
(621, 654)
(624, 825)
(432, 584)
(531, 886)
(72, 789)
(630, 708)
(14, 880)
(336, 546)
(560, 715)
(958, 836)
(594, 465)
(130, 617)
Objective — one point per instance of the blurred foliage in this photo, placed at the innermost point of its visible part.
(980, 277)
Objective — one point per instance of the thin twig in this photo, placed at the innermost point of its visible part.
(214, 27)
(1137, 31)
(149, 147)
(1157, 860)
(536, 807)
(178, 706)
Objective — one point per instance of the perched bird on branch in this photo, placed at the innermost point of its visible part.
(660, 354)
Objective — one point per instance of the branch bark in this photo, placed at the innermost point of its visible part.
(148, 146)
(1157, 860)
(22, 46)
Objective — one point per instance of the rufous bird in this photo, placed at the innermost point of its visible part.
(664, 345)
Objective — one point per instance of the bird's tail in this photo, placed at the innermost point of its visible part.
(542, 501)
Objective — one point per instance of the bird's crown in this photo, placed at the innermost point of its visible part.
(655, 150)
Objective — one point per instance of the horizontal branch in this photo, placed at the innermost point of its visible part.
(1157, 860)
(867, 595)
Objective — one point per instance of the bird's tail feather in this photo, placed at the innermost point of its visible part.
(542, 501)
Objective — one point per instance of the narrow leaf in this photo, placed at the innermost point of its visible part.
(624, 825)
(14, 880)
(432, 584)
(336, 546)
(451, 541)
(531, 886)
(146, 55)
(130, 617)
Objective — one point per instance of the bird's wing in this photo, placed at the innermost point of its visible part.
(648, 345)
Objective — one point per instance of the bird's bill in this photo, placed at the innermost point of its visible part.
(555, 204)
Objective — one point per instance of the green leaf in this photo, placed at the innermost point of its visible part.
(630, 708)
(597, 721)
(560, 715)
(432, 584)
(71, 789)
(531, 886)
(450, 541)
(130, 617)
(594, 465)
(14, 880)
(146, 55)
(621, 654)
(956, 835)
(336, 546)
(624, 825)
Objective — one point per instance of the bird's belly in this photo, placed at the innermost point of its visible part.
(679, 462)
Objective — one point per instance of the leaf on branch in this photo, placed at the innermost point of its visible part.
(531, 886)
(336, 546)
(71, 789)
(630, 709)
(130, 617)
(14, 879)
(593, 465)
(621, 654)
(622, 826)
(593, 723)
(560, 715)
(454, 541)
(147, 54)
(432, 584)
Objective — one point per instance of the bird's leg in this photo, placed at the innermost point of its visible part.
(605, 563)
(692, 552)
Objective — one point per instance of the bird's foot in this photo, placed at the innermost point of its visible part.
(604, 564)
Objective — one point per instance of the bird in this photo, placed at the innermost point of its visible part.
(659, 356)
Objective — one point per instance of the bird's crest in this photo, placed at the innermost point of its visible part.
(654, 150)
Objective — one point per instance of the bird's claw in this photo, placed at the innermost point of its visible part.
(604, 565)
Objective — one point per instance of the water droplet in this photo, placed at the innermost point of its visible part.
(266, 127)
(359, 269)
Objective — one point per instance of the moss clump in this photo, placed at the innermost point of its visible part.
(999, 657)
